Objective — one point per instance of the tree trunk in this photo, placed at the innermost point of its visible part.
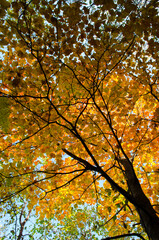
(148, 217)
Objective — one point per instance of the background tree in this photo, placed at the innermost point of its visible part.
(14, 219)
(19, 223)
(81, 80)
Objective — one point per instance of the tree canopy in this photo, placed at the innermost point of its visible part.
(79, 110)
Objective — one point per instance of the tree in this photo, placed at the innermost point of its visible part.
(81, 87)
(19, 223)
(14, 221)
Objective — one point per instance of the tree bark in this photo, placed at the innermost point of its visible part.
(148, 217)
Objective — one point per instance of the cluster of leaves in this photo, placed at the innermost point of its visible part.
(81, 80)
(19, 223)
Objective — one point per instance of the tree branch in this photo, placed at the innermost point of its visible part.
(124, 235)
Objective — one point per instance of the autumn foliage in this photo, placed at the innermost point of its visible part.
(79, 109)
